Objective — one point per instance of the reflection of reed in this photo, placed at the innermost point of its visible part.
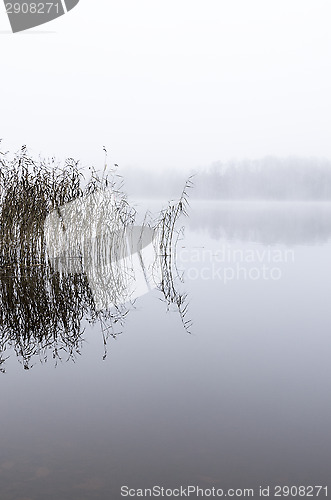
(68, 254)
(40, 309)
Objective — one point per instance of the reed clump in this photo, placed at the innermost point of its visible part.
(44, 298)
(166, 225)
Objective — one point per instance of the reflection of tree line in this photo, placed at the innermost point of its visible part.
(48, 286)
(268, 223)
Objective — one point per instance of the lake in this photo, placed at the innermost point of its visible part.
(239, 400)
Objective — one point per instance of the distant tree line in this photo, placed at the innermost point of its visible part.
(269, 178)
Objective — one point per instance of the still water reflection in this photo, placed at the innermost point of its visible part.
(242, 402)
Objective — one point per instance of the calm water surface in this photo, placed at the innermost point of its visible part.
(242, 401)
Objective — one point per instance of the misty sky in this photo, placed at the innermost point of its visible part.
(172, 84)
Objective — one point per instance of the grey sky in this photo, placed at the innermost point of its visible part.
(176, 84)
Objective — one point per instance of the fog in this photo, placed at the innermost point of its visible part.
(177, 85)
